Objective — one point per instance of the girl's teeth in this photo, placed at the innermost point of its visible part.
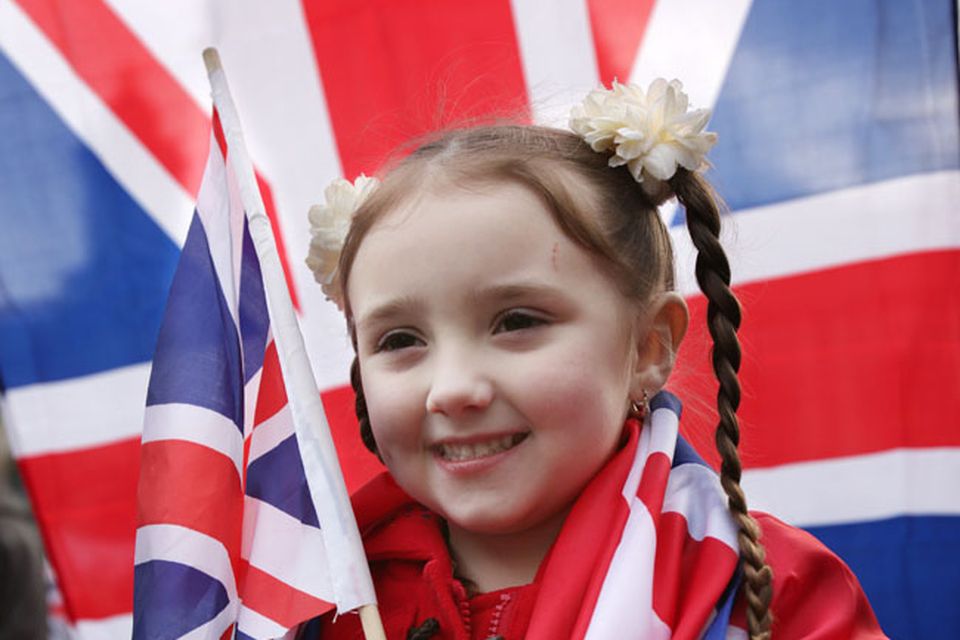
(462, 452)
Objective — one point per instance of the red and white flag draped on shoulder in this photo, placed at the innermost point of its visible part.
(244, 524)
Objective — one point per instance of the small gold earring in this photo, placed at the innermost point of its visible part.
(640, 409)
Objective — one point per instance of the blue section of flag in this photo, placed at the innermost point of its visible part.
(823, 95)
(684, 453)
(198, 359)
(254, 321)
(277, 477)
(180, 597)
(84, 271)
(666, 400)
(908, 568)
(720, 625)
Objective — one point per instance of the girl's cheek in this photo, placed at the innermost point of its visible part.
(394, 414)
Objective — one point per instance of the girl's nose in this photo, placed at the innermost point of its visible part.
(458, 387)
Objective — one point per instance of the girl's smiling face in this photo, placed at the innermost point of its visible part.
(497, 358)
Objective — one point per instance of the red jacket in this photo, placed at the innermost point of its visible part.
(815, 594)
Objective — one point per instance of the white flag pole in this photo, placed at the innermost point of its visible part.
(349, 572)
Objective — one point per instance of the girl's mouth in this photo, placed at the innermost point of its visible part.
(465, 452)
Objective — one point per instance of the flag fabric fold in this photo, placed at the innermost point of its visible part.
(228, 535)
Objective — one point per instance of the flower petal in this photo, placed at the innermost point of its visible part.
(651, 132)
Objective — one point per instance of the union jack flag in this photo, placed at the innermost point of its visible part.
(839, 157)
(227, 530)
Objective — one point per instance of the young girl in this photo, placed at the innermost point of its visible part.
(509, 293)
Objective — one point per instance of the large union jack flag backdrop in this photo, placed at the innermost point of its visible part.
(839, 157)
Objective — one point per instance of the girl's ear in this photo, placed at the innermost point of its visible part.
(660, 329)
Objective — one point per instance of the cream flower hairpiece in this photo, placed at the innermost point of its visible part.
(652, 133)
(329, 224)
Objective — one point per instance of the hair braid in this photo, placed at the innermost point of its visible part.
(723, 320)
(360, 407)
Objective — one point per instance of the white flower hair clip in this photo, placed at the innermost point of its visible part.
(329, 224)
(652, 133)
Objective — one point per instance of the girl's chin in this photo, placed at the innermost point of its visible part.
(496, 522)
(485, 520)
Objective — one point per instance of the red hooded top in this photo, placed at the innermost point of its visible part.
(815, 593)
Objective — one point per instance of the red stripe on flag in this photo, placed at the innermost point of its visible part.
(391, 72)
(139, 90)
(85, 504)
(687, 575)
(277, 600)
(218, 135)
(132, 83)
(578, 558)
(650, 491)
(169, 495)
(618, 27)
(272, 395)
(875, 346)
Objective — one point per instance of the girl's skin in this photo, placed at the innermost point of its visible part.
(499, 362)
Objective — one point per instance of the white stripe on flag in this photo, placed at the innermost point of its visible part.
(736, 633)
(295, 143)
(213, 628)
(188, 547)
(176, 421)
(693, 41)
(271, 432)
(687, 486)
(865, 222)
(134, 167)
(103, 628)
(220, 210)
(52, 417)
(859, 488)
(256, 625)
(664, 438)
(173, 31)
(251, 393)
(626, 597)
(559, 59)
(291, 551)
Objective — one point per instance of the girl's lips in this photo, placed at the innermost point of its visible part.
(475, 454)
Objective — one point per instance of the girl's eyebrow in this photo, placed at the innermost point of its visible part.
(515, 291)
(501, 293)
(389, 309)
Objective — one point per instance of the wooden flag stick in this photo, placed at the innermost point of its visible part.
(371, 622)
(346, 562)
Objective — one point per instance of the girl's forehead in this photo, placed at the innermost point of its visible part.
(447, 244)
(443, 210)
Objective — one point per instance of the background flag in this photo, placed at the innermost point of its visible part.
(838, 155)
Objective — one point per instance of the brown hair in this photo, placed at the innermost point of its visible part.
(605, 211)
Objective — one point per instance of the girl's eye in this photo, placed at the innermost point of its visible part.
(398, 340)
(517, 321)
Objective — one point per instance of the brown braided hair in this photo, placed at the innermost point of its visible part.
(360, 406)
(723, 319)
(606, 212)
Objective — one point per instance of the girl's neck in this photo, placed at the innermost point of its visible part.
(488, 562)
